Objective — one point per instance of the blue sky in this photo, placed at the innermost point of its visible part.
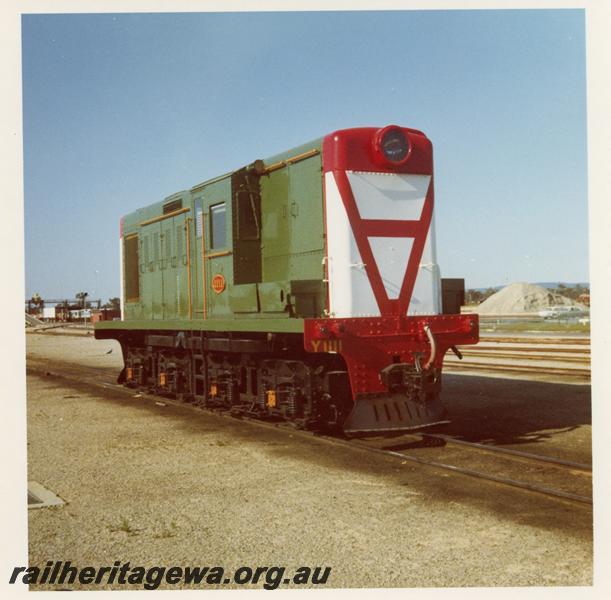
(122, 110)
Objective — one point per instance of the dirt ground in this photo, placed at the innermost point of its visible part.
(164, 485)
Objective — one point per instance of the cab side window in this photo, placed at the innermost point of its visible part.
(218, 226)
(131, 272)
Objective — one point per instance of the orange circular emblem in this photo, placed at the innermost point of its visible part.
(218, 283)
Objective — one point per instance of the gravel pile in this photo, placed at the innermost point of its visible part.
(523, 297)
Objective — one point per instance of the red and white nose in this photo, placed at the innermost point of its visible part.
(380, 245)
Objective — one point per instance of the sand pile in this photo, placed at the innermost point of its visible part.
(522, 297)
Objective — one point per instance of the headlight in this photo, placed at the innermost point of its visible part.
(392, 145)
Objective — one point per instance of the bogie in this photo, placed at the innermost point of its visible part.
(311, 392)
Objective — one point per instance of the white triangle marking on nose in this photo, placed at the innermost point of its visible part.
(391, 255)
(383, 196)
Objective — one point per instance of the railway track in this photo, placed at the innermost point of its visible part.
(546, 475)
(568, 359)
(558, 341)
(500, 466)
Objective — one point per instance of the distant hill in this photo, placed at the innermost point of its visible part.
(546, 284)
(555, 284)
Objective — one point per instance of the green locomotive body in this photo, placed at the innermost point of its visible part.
(265, 242)
(258, 291)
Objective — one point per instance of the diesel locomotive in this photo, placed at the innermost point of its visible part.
(302, 288)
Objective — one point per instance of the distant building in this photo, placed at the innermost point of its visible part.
(64, 311)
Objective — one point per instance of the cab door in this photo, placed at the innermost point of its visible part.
(183, 297)
(173, 281)
(151, 270)
(217, 262)
(168, 266)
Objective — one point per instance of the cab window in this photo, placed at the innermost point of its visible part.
(218, 226)
(131, 273)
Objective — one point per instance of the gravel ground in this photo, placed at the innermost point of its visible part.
(167, 485)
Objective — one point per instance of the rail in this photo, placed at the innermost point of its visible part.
(565, 358)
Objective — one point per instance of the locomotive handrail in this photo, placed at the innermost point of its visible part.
(431, 337)
(293, 159)
(217, 254)
(166, 216)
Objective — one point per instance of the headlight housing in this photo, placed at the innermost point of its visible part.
(392, 146)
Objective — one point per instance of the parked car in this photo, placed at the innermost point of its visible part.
(556, 312)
